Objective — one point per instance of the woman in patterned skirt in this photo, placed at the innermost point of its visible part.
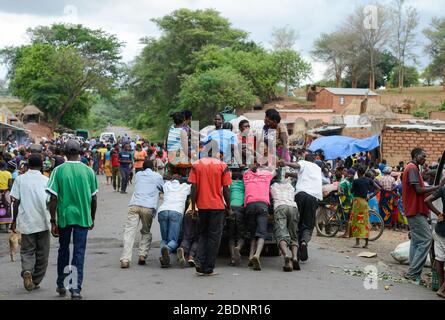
(360, 225)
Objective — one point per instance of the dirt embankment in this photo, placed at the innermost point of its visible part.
(39, 131)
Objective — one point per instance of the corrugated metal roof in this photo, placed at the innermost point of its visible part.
(351, 92)
(415, 127)
(10, 126)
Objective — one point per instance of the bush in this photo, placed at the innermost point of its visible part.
(442, 106)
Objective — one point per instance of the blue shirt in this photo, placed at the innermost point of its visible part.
(225, 139)
(382, 167)
(125, 156)
(108, 156)
(146, 191)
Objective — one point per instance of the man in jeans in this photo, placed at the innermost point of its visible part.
(32, 220)
(210, 179)
(417, 212)
(170, 219)
(126, 162)
(73, 189)
(142, 209)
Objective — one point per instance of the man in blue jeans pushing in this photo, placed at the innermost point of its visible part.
(73, 189)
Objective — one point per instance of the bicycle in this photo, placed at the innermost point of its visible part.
(332, 217)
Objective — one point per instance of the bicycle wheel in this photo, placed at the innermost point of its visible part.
(327, 222)
(377, 225)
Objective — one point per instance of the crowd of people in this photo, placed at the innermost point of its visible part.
(227, 179)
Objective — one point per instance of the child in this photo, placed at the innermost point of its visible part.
(236, 222)
(160, 165)
(190, 237)
(360, 226)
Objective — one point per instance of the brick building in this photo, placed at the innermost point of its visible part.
(397, 141)
(338, 99)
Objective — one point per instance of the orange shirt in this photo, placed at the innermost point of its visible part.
(210, 176)
(138, 164)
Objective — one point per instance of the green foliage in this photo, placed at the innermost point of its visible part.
(292, 69)
(436, 46)
(209, 92)
(442, 106)
(410, 78)
(258, 67)
(155, 80)
(428, 76)
(61, 69)
(421, 113)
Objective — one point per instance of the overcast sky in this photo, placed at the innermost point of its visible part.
(130, 19)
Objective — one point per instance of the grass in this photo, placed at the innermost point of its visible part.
(426, 96)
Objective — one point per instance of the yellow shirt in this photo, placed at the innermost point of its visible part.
(5, 176)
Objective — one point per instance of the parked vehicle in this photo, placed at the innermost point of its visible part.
(83, 133)
(107, 137)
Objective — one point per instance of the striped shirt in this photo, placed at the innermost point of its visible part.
(174, 139)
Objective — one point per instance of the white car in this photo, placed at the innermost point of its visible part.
(107, 137)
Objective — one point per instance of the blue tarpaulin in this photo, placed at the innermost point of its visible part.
(341, 147)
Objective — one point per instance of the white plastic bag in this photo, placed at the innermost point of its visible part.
(401, 254)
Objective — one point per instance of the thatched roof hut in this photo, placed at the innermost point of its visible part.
(8, 113)
(30, 113)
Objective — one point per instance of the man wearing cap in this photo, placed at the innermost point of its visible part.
(73, 189)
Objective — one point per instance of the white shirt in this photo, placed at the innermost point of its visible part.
(146, 191)
(132, 145)
(309, 179)
(283, 194)
(33, 215)
(175, 195)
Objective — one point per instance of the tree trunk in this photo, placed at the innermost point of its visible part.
(443, 84)
(372, 75)
(401, 71)
(354, 78)
(338, 80)
(64, 109)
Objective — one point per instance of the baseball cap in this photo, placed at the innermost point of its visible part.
(72, 146)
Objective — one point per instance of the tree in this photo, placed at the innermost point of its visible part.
(3, 88)
(387, 63)
(405, 22)
(436, 47)
(331, 49)
(62, 67)
(428, 76)
(284, 38)
(257, 66)
(410, 79)
(209, 92)
(374, 32)
(47, 77)
(291, 67)
(156, 76)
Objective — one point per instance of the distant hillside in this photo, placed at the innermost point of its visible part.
(13, 104)
(432, 96)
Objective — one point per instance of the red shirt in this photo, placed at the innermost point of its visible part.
(413, 203)
(115, 159)
(210, 176)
